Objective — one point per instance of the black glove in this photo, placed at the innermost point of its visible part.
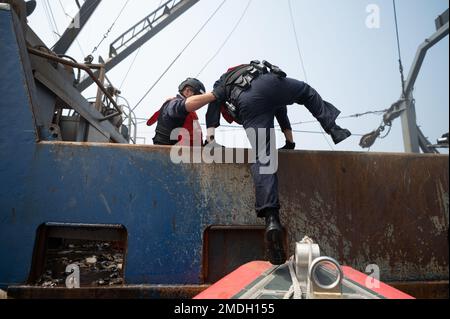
(213, 144)
(220, 93)
(288, 146)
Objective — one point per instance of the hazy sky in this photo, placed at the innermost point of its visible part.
(351, 65)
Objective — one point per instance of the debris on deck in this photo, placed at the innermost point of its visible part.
(100, 263)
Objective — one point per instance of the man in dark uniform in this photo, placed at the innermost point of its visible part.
(254, 94)
(173, 114)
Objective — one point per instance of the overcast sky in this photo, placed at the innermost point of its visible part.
(351, 65)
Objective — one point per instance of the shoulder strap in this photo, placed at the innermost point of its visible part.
(235, 73)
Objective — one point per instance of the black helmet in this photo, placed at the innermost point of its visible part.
(198, 86)
(30, 6)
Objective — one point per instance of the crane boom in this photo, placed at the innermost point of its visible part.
(76, 26)
(141, 32)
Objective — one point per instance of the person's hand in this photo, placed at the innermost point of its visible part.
(212, 144)
(220, 93)
(288, 146)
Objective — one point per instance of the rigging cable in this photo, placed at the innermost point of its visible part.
(227, 38)
(179, 55)
(302, 62)
(357, 115)
(53, 17)
(232, 128)
(135, 57)
(49, 20)
(402, 74)
(129, 69)
(297, 41)
(110, 28)
(381, 112)
(71, 18)
(369, 139)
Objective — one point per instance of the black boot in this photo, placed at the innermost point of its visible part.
(338, 134)
(274, 238)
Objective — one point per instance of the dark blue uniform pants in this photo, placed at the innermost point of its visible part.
(258, 106)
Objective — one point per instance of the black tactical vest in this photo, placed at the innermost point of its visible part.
(165, 126)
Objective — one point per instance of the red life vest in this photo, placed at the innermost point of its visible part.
(191, 124)
(226, 115)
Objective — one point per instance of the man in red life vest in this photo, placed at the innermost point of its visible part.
(173, 115)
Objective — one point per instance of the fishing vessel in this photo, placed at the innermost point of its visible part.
(80, 197)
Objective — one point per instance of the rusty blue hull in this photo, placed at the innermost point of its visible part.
(384, 209)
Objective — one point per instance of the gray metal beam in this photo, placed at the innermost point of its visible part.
(55, 82)
(420, 56)
(75, 27)
(409, 127)
(442, 20)
(425, 144)
(411, 137)
(142, 32)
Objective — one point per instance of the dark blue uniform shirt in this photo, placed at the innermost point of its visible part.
(172, 115)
